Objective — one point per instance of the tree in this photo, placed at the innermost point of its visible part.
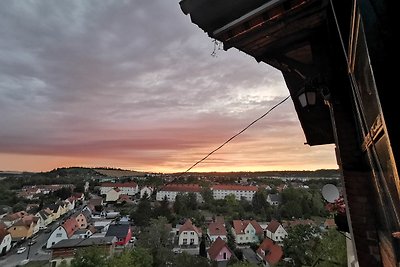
(243, 264)
(90, 257)
(142, 257)
(163, 209)
(230, 238)
(331, 250)
(301, 244)
(143, 213)
(156, 235)
(185, 259)
(202, 249)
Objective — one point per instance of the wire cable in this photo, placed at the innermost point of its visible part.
(234, 136)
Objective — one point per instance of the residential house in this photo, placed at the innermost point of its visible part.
(124, 199)
(79, 196)
(70, 203)
(96, 202)
(123, 232)
(5, 241)
(274, 199)
(246, 231)
(63, 207)
(130, 188)
(216, 230)
(170, 191)
(24, 227)
(82, 233)
(275, 231)
(220, 191)
(219, 251)
(10, 219)
(113, 194)
(64, 251)
(45, 218)
(82, 218)
(56, 211)
(146, 190)
(189, 234)
(64, 231)
(269, 252)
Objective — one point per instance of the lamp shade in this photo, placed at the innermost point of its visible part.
(307, 98)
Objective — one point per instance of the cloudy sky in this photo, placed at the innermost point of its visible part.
(132, 84)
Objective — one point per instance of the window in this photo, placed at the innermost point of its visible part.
(191, 241)
(184, 241)
(191, 233)
(224, 255)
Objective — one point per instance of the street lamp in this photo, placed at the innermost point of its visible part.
(307, 97)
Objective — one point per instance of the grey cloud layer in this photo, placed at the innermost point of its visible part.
(74, 72)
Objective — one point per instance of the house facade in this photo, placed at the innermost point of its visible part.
(172, 190)
(24, 227)
(113, 194)
(274, 199)
(275, 231)
(269, 252)
(216, 230)
(130, 188)
(146, 190)
(83, 218)
(239, 191)
(64, 231)
(189, 234)
(122, 232)
(246, 231)
(5, 241)
(219, 251)
(64, 251)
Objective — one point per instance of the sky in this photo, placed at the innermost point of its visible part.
(134, 85)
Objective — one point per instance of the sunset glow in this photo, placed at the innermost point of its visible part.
(93, 87)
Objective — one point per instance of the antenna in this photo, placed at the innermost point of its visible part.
(330, 193)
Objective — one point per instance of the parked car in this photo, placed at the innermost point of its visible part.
(31, 242)
(21, 250)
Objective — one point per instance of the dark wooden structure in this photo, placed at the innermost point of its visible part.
(341, 51)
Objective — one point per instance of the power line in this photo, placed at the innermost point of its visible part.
(234, 136)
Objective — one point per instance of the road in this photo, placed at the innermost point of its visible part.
(36, 253)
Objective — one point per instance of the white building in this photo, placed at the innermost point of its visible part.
(275, 231)
(5, 241)
(215, 230)
(246, 231)
(172, 190)
(129, 189)
(64, 231)
(146, 190)
(220, 191)
(113, 194)
(189, 234)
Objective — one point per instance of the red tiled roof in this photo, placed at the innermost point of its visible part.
(240, 225)
(216, 247)
(216, 228)
(130, 184)
(234, 187)
(182, 188)
(188, 226)
(273, 226)
(269, 251)
(70, 226)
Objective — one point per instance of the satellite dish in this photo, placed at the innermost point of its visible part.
(330, 193)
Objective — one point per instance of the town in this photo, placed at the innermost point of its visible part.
(200, 219)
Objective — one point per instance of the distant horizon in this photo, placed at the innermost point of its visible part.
(132, 170)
